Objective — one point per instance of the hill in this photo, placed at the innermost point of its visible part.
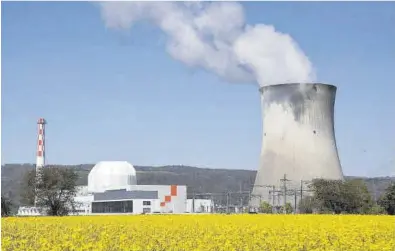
(198, 180)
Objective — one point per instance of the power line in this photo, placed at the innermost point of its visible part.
(284, 180)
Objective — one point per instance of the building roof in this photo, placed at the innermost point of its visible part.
(125, 195)
(111, 175)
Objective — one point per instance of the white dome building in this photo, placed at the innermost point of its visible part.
(111, 175)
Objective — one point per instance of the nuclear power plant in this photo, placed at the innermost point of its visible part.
(298, 145)
(298, 141)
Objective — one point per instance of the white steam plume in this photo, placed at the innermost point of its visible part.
(214, 36)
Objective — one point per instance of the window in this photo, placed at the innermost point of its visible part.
(146, 210)
(113, 207)
(146, 203)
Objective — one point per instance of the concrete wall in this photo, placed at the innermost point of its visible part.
(171, 198)
(298, 137)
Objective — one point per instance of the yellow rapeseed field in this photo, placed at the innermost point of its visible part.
(200, 232)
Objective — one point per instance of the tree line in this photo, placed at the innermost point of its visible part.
(53, 189)
(339, 197)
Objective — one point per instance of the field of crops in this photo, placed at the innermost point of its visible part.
(200, 232)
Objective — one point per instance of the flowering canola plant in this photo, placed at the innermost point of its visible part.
(200, 233)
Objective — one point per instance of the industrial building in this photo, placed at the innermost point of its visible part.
(112, 189)
(298, 143)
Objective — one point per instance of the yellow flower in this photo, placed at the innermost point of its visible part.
(200, 233)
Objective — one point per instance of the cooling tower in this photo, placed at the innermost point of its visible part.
(298, 140)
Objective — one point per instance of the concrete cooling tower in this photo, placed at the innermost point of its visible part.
(298, 140)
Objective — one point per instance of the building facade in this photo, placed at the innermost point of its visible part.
(112, 189)
(133, 199)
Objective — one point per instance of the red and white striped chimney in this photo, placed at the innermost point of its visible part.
(40, 160)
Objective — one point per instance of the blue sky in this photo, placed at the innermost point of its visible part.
(111, 95)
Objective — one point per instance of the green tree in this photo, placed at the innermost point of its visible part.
(327, 194)
(387, 201)
(307, 205)
(356, 197)
(342, 197)
(6, 206)
(53, 188)
(288, 208)
(265, 207)
(376, 209)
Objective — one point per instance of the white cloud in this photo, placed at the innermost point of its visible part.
(214, 36)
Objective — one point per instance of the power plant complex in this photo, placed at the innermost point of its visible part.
(298, 145)
(112, 189)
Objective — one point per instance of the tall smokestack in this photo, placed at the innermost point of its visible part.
(40, 159)
(298, 139)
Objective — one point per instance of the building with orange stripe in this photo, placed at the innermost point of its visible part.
(113, 189)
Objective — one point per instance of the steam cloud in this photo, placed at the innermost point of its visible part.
(214, 36)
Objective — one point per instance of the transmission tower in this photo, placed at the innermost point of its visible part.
(284, 180)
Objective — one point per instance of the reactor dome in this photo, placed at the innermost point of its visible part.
(111, 175)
